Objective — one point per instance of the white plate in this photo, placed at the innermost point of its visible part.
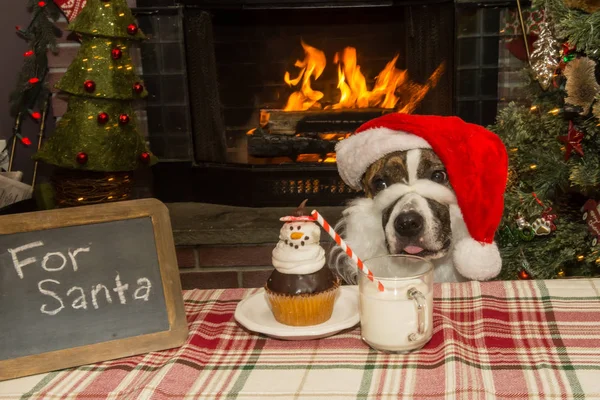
(255, 314)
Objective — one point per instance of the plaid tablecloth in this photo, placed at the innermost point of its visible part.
(521, 339)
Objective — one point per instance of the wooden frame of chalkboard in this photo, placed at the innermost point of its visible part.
(87, 216)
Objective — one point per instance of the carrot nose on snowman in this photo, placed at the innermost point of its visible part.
(297, 235)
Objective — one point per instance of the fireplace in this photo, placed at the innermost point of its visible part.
(273, 85)
(294, 82)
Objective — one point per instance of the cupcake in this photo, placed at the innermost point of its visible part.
(301, 290)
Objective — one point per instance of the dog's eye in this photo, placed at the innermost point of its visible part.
(439, 176)
(379, 185)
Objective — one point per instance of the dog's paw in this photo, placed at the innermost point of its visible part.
(542, 227)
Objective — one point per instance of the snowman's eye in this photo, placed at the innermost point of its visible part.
(299, 227)
(291, 228)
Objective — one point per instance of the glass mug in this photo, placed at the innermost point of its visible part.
(398, 319)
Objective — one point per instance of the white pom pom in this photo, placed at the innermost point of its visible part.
(475, 260)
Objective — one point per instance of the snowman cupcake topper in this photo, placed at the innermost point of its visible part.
(299, 250)
(299, 214)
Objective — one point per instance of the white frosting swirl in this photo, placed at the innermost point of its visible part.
(298, 250)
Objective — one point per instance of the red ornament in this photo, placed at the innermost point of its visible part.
(42, 3)
(26, 141)
(103, 118)
(591, 216)
(138, 88)
(123, 119)
(33, 81)
(567, 49)
(82, 158)
(572, 141)
(145, 157)
(524, 275)
(28, 53)
(89, 86)
(132, 29)
(36, 115)
(116, 53)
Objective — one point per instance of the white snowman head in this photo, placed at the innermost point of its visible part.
(299, 234)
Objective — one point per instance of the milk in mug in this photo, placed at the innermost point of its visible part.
(389, 318)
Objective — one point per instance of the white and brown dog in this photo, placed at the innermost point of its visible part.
(433, 188)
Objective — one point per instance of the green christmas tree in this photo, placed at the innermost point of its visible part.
(99, 130)
(551, 224)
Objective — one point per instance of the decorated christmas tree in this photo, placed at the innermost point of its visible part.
(99, 132)
(551, 224)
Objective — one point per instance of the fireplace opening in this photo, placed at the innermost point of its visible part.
(273, 86)
(294, 82)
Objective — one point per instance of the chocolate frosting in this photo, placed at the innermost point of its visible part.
(292, 284)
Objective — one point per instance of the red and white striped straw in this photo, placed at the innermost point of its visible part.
(338, 239)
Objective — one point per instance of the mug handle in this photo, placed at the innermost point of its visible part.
(422, 320)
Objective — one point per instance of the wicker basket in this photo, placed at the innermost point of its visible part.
(77, 188)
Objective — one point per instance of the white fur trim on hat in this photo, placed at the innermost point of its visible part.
(475, 260)
(356, 153)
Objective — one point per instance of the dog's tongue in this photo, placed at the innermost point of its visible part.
(413, 249)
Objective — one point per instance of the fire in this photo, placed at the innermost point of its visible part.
(316, 158)
(313, 65)
(392, 89)
(351, 82)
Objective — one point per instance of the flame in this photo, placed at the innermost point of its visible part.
(413, 93)
(333, 136)
(313, 65)
(316, 158)
(351, 82)
(384, 92)
(392, 89)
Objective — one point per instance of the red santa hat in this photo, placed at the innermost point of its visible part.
(477, 167)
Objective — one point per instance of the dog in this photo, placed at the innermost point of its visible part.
(434, 187)
(409, 207)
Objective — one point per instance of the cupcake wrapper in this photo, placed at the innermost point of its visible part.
(304, 309)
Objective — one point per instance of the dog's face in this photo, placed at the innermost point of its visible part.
(413, 221)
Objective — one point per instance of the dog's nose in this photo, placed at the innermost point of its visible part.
(408, 224)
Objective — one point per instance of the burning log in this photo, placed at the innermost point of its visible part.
(265, 145)
(320, 121)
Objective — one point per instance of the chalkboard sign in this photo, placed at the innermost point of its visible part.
(87, 284)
